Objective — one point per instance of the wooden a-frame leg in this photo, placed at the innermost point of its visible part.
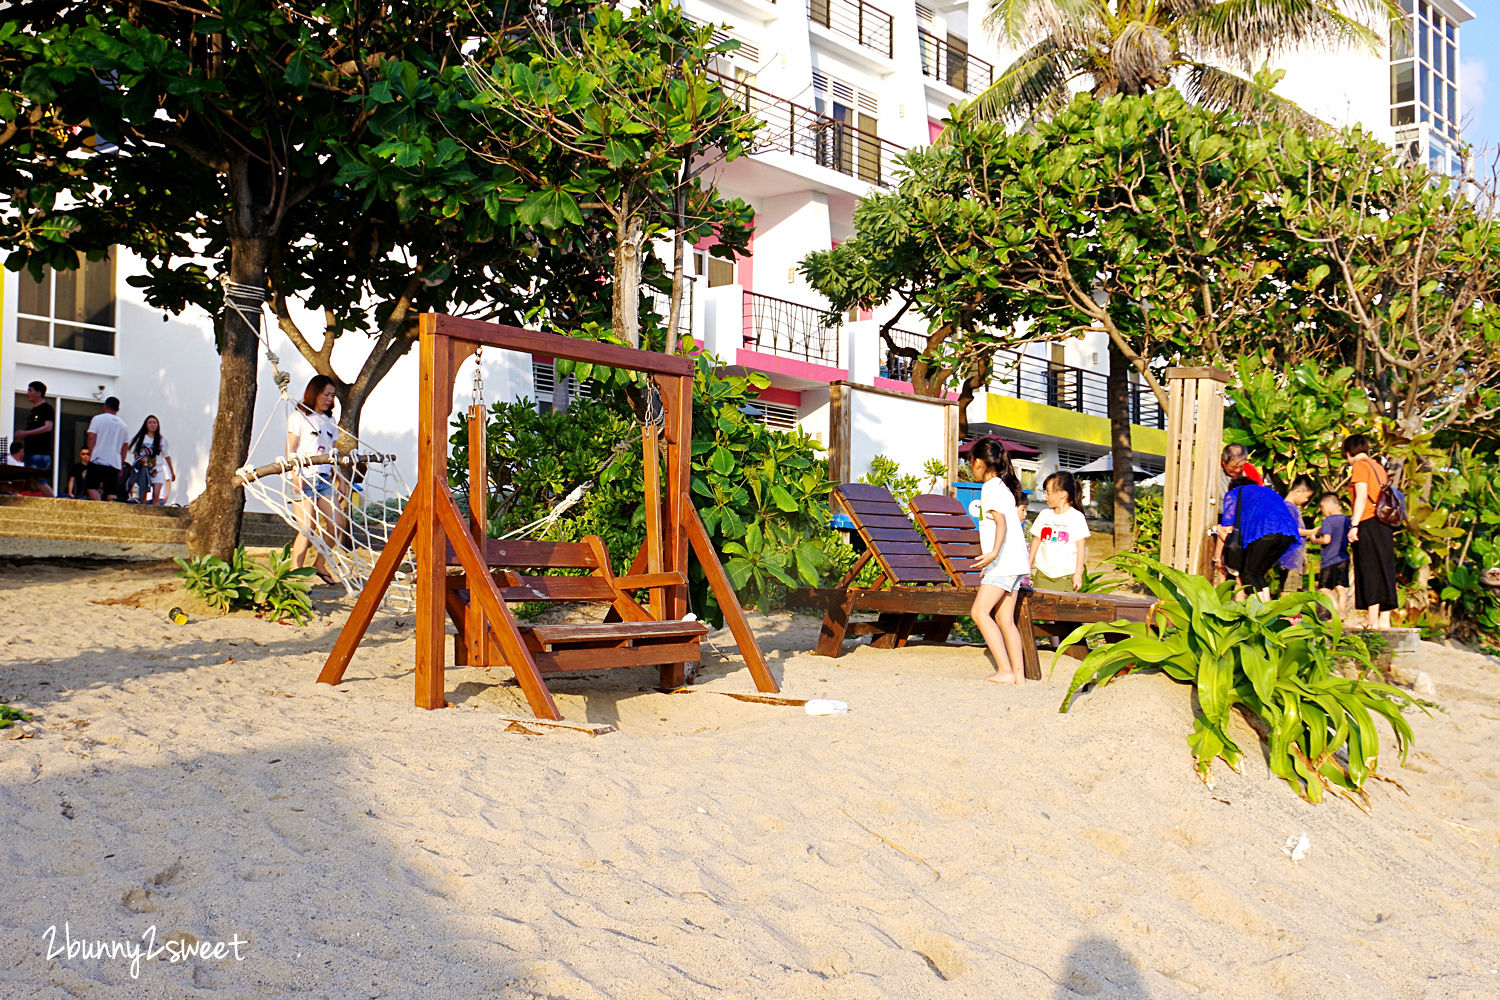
(369, 597)
(937, 628)
(729, 602)
(887, 631)
(1024, 625)
(835, 624)
(457, 613)
(501, 622)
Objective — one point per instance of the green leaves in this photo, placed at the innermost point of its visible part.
(549, 208)
(270, 587)
(1271, 661)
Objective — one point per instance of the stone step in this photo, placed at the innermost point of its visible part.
(46, 527)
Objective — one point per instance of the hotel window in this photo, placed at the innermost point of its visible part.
(73, 310)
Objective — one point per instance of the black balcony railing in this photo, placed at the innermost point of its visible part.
(952, 65)
(1041, 381)
(864, 23)
(661, 304)
(829, 142)
(790, 329)
(896, 362)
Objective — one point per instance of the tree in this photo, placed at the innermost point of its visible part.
(618, 114)
(1133, 47)
(233, 128)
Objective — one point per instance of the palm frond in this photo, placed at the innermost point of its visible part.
(1219, 89)
(1033, 80)
(1022, 22)
(1245, 31)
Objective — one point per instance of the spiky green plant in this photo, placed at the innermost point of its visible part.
(1273, 661)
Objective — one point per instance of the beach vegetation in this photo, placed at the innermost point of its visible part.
(886, 471)
(1276, 663)
(270, 586)
(10, 716)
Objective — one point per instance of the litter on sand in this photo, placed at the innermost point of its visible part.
(1297, 847)
(826, 706)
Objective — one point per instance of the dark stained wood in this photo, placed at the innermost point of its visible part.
(937, 504)
(895, 534)
(434, 397)
(604, 659)
(875, 508)
(835, 624)
(558, 588)
(862, 491)
(909, 574)
(961, 522)
(632, 633)
(920, 559)
(646, 580)
(1030, 664)
(895, 519)
(516, 554)
(903, 548)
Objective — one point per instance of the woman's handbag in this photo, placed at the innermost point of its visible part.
(1234, 542)
(1390, 503)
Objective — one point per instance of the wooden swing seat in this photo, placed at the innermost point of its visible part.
(637, 640)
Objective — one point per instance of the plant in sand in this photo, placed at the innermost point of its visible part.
(10, 716)
(273, 587)
(1275, 662)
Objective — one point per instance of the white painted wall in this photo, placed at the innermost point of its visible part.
(907, 430)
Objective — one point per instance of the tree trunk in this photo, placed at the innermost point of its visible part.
(1120, 448)
(216, 512)
(627, 284)
(679, 211)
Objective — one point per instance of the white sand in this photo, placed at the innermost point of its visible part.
(947, 838)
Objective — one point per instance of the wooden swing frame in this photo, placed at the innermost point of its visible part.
(432, 525)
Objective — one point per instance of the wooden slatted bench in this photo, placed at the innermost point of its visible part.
(637, 639)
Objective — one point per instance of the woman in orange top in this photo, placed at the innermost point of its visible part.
(1371, 542)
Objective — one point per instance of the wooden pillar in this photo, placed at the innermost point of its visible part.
(434, 397)
(839, 430)
(950, 445)
(1195, 437)
(677, 399)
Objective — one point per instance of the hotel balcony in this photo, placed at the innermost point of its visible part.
(946, 63)
(809, 149)
(864, 24)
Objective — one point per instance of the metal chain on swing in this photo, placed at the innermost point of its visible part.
(655, 412)
(476, 394)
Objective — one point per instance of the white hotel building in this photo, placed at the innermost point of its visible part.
(844, 86)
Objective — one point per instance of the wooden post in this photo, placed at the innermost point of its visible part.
(950, 446)
(677, 409)
(1195, 435)
(839, 432)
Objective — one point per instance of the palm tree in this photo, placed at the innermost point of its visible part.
(1209, 47)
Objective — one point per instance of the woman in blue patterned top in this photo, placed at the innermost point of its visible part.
(1266, 526)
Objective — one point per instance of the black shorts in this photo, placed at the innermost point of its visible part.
(1333, 577)
(104, 478)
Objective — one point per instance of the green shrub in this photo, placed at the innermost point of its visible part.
(10, 716)
(272, 588)
(885, 472)
(1148, 520)
(762, 493)
(1276, 662)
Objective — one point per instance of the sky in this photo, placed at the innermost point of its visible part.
(1479, 60)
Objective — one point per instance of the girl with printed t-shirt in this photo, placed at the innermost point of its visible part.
(1004, 560)
(311, 432)
(1059, 536)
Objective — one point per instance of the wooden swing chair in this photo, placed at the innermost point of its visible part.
(487, 572)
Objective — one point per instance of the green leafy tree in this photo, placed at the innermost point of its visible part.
(1133, 47)
(1294, 420)
(617, 113)
(275, 147)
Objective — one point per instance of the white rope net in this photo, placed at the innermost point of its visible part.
(346, 505)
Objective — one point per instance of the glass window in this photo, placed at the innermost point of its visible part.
(1401, 42)
(1425, 75)
(1402, 90)
(1406, 114)
(72, 309)
(1452, 102)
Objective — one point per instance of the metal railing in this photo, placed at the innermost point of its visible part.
(898, 366)
(955, 67)
(790, 329)
(827, 141)
(661, 304)
(865, 23)
(1039, 380)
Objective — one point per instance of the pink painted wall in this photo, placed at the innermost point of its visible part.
(934, 129)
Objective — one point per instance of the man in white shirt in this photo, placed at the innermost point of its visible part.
(108, 440)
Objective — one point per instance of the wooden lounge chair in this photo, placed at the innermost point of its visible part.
(1050, 612)
(912, 582)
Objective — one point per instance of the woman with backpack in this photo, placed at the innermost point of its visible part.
(1372, 542)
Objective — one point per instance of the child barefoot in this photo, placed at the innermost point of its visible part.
(1003, 561)
(1058, 537)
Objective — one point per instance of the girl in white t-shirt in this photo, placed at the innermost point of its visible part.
(1059, 537)
(1004, 560)
(311, 431)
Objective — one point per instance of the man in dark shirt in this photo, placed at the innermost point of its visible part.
(38, 433)
(74, 485)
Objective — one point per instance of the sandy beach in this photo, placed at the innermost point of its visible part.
(944, 839)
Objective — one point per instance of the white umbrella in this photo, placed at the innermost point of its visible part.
(1104, 468)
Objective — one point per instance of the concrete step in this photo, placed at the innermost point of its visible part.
(42, 527)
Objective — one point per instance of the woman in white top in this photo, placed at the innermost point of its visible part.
(151, 467)
(311, 432)
(1004, 560)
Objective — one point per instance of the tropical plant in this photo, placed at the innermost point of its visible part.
(273, 587)
(1148, 520)
(1276, 662)
(1135, 46)
(1293, 421)
(885, 471)
(10, 716)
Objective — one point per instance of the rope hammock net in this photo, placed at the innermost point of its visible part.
(346, 504)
